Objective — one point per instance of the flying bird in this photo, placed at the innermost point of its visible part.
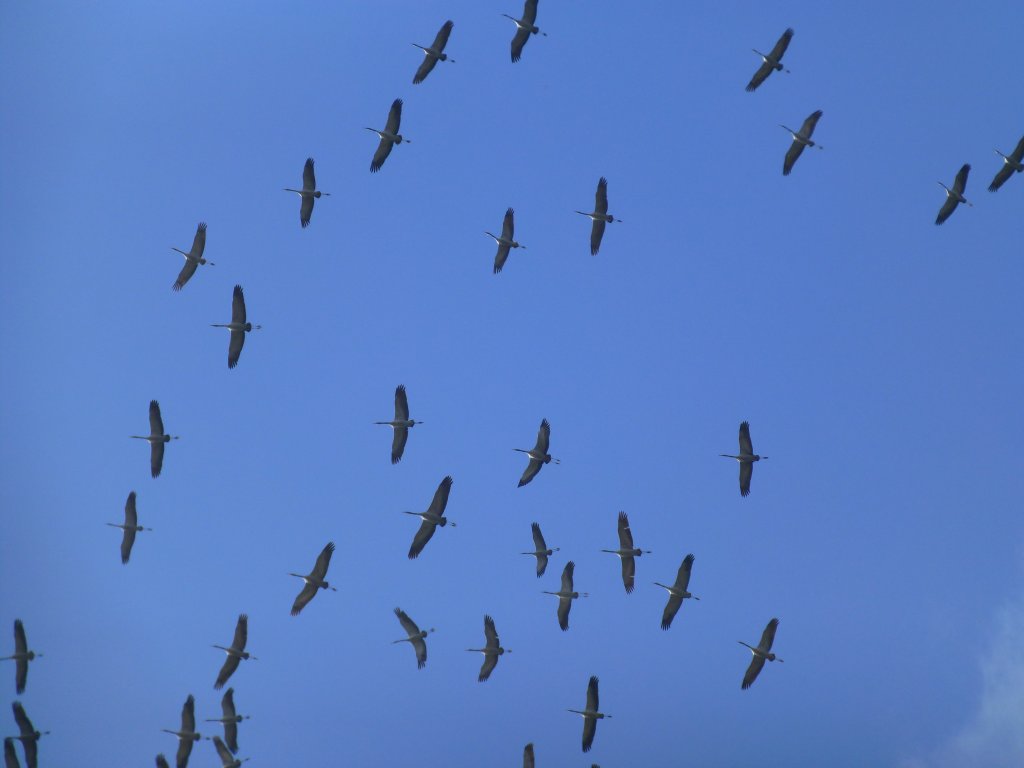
(129, 528)
(590, 715)
(600, 216)
(434, 53)
(540, 550)
(161, 762)
(22, 656)
(566, 595)
(524, 28)
(506, 241)
(1011, 164)
(627, 553)
(539, 455)
(801, 139)
(388, 137)
(528, 756)
(954, 196)
(308, 193)
(677, 592)
(10, 755)
(770, 62)
(156, 439)
(193, 258)
(492, 649)
(187, 734)
(314, 581)
(28, 735)
(230, 719)
(416, 637)
(746, 458)
(761, 653)
(400, 425)
(235, 653)
(433, 517)
(238, 326)
(226, 758)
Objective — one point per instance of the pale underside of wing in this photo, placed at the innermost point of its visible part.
(410, 626)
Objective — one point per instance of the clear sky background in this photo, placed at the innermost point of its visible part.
(876, 356)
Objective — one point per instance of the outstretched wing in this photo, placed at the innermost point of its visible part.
(960, 182)
(625, 535)
(226, 671)
(241, 633)
(408, 624)
(156, 458)
(421, 652)
(601, 197)
(521, 36)
(308, 592)
(530, 472)
(795, 150)
(947, 209)
(508, 224)
(528, 756)
(440, 501)
(683, 575)
(530, 12)
(308, 178)
(671, 609)
(188, 715)
(184, 750)
(746, 472)
(564, 605)
(235, 344)
(401, 404)
(323, 561)
(593, 704)
(807, 129)
(423, 535)
(425, 68)
(131, 520)
(490, 633)
(156, 424)
(596, 234)
(383, 150)
(538, 538)
(227, 704)
(394, 117)
(768, 636)
(501, 257)
(760, 76)
(306, 210)
(25, 727)
(398, 441)
(756, 663)
(1004, 173)
(442, 36)
(782, 44)
(628, 572)
(567, 573)
(222, 751)
(11, 757)
(490, 662)
(199, 241)
(238, 305)
(186, 272)
(20, 648)
(543, 436)
(746, 446)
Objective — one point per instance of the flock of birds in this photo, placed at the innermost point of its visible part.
(434, 516)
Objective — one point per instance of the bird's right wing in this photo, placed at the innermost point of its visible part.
(440, 500)
(394, 117)
(683, 575)
(20, 643)
(24, 724)
(425, 68)
(528, 761)
(542, 565)
(760, 76)
(671, 609)
(530, 472)
(230, 665)
(1018, 152)
(188, 714)
(161, 762)
(543, 436)
(127, 542)
(625, 535)
(947, 209)
(227, 703)
(423, 535)
(222, 751)
(756, 663)
(628, 573)
(490, 633)
(501, 257)
(306, 210)
(398, 441)
(323, 561)
(184, 750)
(186, 272)
(131, 516)
(235, 343)
(567, 573)
(795, 150)
(383, 150)
(1004, 173)
(11, 756)
(508, 225)
(596, 235)
(408, 624)
(746, 472)
(564, 604)
(601, 196)
(231, 735)
(401, 404)
(538, 538)
(589, 731)
(490, 662)
(521, 36)
(810, 123)
(421, 652)
(156, 458)
(530, 12)
(302, 599)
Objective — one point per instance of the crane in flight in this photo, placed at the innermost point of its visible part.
(416, 637)
(678, 592)
(746, 458)
(539, 455)
(308, 194)
(315, 580)
(401, 424)
(230, 719)
(507, 240)
(388, 137)
(156, 439)
(801, 139)
(761, 653)
(540, 549)
(193, 258)
(433, 517)
(238, 326)
(566, 595)
(770, 62)
(591, 714)
(599, 216)
(524, 28)
(434, 53)
(129, 528)
(22, 656)
(492, 650)
(235, 653)
(954, 196)
(627, 553)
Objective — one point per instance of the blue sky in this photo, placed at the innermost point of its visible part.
(874, 354)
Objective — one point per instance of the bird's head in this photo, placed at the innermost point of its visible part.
(771, 657)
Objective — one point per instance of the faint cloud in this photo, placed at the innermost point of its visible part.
(994, 737)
